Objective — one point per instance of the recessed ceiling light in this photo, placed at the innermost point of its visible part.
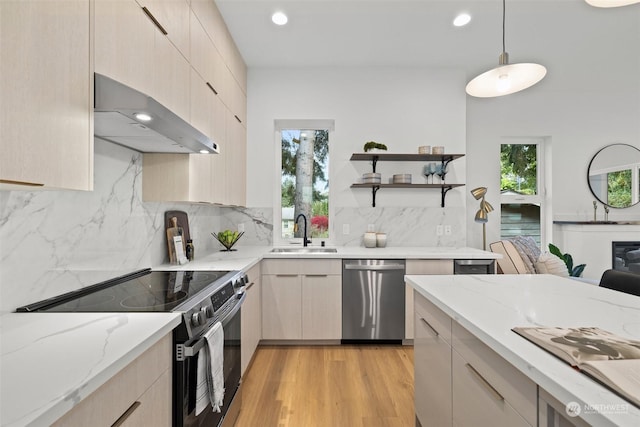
(279, 18)
(143, 117)
(203, 151)
(462, 20)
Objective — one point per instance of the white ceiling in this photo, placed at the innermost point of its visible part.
(567, 36)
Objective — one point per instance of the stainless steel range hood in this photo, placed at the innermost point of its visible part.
(116, 112)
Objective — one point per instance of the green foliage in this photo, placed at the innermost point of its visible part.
(372, 144)
(568, 260)
(619, 188)
(518, 168)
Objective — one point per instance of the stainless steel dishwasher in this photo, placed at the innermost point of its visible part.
(373, 300)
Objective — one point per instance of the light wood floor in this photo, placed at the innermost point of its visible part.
(336, 386)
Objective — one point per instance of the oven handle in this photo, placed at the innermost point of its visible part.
(183, 351)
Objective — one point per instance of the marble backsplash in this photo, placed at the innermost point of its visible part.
(48, 238)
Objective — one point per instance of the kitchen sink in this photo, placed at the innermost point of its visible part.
(304, 250)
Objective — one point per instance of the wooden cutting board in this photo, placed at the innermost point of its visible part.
(183, 221)
(180, 228)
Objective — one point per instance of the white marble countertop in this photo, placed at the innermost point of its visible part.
(489, 306)
(51, 361)
(245, 257)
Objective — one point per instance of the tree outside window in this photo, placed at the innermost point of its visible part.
(305, 182)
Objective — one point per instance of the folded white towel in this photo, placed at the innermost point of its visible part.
(210, 374)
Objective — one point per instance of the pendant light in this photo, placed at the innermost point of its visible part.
(611, 3)
(506, 78)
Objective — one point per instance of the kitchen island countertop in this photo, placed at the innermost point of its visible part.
(489, 306)
(51, 361)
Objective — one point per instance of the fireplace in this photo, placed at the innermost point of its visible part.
(626, 256)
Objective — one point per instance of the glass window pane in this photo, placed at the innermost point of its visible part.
(519, 169)
(520, 220)
(305, 182)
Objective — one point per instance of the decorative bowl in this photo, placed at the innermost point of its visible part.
(227, 239)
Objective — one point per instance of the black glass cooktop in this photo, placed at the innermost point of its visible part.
(144, 291)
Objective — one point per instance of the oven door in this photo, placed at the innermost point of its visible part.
(185, 377)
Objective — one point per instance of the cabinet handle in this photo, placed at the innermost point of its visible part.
(316, 275)
(486, 383)
(126, 414)
(249, 286)
(430, 327)
(30, 184)
(154, 20)
(286, 275)
(238, 119)
(212, 88)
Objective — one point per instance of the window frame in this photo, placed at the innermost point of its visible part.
(289, 124)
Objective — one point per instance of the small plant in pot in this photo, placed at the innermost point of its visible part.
(568, 260)
(374, 146)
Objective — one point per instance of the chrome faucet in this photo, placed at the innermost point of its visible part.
(305, 240)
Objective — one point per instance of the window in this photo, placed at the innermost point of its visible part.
(522, 189)
(304, 180)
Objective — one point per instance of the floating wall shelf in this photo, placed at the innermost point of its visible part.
(376, 157)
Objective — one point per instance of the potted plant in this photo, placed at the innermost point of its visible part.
(568, 260)
(374, 146)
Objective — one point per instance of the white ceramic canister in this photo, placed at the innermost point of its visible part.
(439, 149)
(369, 240)
(381, 240)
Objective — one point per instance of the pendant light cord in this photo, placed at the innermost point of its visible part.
(503, 21)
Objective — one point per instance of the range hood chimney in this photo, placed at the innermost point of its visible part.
(119, 117)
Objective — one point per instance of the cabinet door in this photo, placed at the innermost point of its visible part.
(171, 75)
(321, 307)
(124, 43)
(281, 307)
(173, 15)
(432, 368)
(236, 146)
(476, 402)
(251, 318)
(421, 266)
(153, 408)
(46, 101)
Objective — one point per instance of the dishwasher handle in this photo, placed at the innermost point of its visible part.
(374, 267)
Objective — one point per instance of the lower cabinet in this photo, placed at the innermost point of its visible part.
(432, 361)
(138, 395)
(421, 266)
(251, 326)
(301, 299)
(460, 381)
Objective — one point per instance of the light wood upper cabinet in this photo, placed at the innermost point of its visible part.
(176, 177)
(124, 44)
(236, 153)
(211, 99)
(174, 17)
(46, 106)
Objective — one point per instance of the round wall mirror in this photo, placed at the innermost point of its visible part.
(614, 175)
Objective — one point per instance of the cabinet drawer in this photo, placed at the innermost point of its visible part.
(520, 391)
(477, 402)
(302, 266)
(115, 397)
(436, 320)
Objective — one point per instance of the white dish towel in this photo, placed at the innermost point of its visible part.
(210, 386)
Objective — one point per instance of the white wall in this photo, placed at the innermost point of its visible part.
(402, 108)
